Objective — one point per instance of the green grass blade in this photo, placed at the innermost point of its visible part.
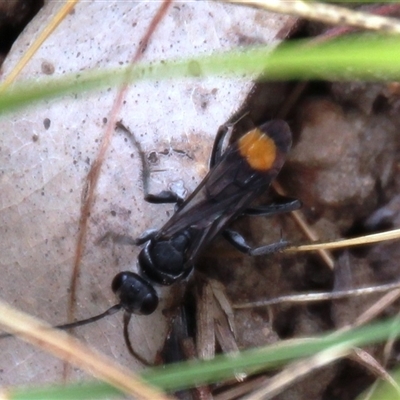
(366, 57)
(191, 373)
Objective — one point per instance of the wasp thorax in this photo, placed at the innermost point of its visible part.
(164, 261)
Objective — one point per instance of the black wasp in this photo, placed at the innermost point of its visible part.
(237, 176)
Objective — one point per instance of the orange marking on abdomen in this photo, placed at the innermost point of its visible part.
(258, 149)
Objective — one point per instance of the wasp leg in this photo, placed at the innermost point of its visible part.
(146, 236)
(218, 147)
(122, 239)
(239, 242)
(286, 205)
(115, 238)
(164, 197)
(222, 139)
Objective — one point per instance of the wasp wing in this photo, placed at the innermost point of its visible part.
(229, 188)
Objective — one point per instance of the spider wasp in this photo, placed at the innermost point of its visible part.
(238, 175)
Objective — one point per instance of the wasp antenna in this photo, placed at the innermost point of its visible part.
(132, 352)
(112, 310)
(75, 324)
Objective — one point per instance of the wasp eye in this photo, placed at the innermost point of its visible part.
(136, 295)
